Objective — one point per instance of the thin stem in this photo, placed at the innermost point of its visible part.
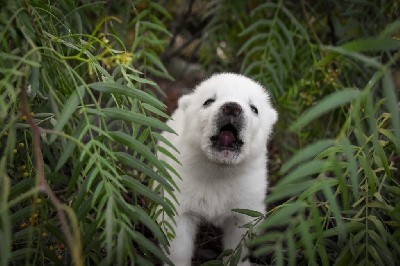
(41, 184)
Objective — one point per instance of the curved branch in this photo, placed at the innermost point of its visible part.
(41, 182)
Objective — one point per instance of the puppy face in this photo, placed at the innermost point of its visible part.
(229, 118)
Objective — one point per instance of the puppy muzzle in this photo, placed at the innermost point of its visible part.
(229, 124)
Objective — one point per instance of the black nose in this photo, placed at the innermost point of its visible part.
(232, 109)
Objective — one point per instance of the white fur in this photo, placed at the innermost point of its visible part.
(213, 183)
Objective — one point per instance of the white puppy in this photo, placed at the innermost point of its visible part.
(223, 129)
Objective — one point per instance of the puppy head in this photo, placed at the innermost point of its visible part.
(229, 117)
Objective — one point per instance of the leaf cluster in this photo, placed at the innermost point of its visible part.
(330, 68)
(92, 123)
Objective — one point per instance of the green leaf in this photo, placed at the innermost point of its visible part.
(335, 209)
(282, 214)
(391, 28)
(289, 190)
(213, 263)
(278, 254)
(136, 145)
(141, 189)
(6, 228)
(71, 144)
(263, 250)
(225, 253)
(75, 175)
(156, 27)
(350, 227)
(143, 242)
(368, 173)
(307, 241)
(247, 212)
(323, 255)
(352, 165)
(235, 259)
(21, 187)
(168, 154)
(327, 104)
(140, 166)
(120, 246)
(69, 108)
(370, 61)
(162, 139)
(307, 153)
(291, 249)
(109, 229)
(391, 102)
(142, 216)
(304, 170)
(142, 261)
(136, 118)
(127, 91)
(374, 44)
(376, 256)
(22, 214)
(154, 110)
(22, 253)
(161, 9)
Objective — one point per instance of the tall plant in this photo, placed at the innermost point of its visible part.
(78, 130)
(336, 199)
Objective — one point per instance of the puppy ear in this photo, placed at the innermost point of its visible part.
(273, 116)
(184, 102)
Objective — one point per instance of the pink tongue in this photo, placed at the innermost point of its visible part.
(226, 138)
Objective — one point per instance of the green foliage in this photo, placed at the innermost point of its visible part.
(345, 190)
(96, 127)
(329, 67)
(269, 50)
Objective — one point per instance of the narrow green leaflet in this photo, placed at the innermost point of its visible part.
(247, 212)
(235, 259)
(131, 161)
(162, 139)
(142, 241)
(282, 215)
(136, 118)
(302, 171)
(327, 104)
(110, 218)
(351, 165)
(307, 153)
(69, 108)
(127, 91)
(307, 241)
(154, 110)
(71, 144)
(139, 147)
(141, 189)
(372, 44)
(392, 105)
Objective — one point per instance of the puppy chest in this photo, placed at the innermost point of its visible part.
(210, 202)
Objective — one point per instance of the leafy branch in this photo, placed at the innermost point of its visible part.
(43, 186)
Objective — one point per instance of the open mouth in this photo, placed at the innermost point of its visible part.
(227, 139)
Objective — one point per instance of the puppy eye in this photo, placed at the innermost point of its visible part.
(208, 102)
(254, 109)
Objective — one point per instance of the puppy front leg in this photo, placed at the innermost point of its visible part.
(233, 235)
(182, 246)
